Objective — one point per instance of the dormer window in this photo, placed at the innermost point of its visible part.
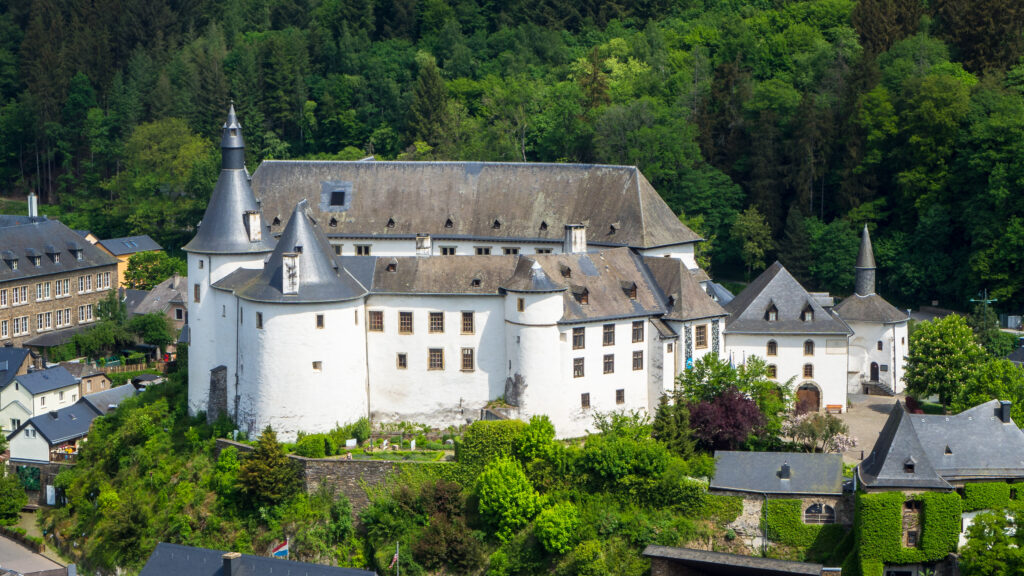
(909, 465)
(496, 225)
(392, 267)
(36, 261)
(448, 223)
(771, 314)
(78, 254)
(629, 289)
(566, 271)
(543, 226)
(338, 198)
(582, 295)
(475, 283)
(808, 314)
(14, 264)
(333, 222)
(391, 223)
(56, 257)
(276, 222)
(949, 451)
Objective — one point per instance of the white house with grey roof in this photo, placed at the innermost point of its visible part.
(300, 335)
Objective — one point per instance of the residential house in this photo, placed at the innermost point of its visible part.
(35, 393)
(56, 435)
(13, 362)
(176, 559)
(50, 281)
(169, 298)
(90, 378)
(124, 248)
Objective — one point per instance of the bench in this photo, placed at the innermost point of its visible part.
(834, 408)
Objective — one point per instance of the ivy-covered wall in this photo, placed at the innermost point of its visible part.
(784, 522)
(989, 495)
(879, 528)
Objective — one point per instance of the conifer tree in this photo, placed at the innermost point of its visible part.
(671, 427)
(267, 476)
(429, 111)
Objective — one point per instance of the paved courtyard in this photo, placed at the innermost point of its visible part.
(865, 417)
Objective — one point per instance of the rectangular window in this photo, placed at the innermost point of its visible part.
(447, 250)
(405, 322)
(620, 396)
(543, 250)
(578, 338)
(437, 322)
(585, 400)
(468, 364)
(67, 316)
(879, 344)
(609, 363)
(179, 314)
(56, 258)
(808, 370)
(3, 329)
(39, 291)
(468, 324)
(362, 249)
(15, 423)
(49, 320)
(608, 337)
(319, 321)
(577, 367)
(60, 318)
(376, 321)
(638, 331)
(435, 359)
(700, 336)
(520, 304)
(337, 249)
(483, 251)
(318, 366)
(42, 400)
(402, 361)
(3, 298)
(60, 395)
(638, 360)
(259, 320)
(39, 322)
(88, 283)
(510, 251)
(88, 312)
(911, 538)
(195, 293)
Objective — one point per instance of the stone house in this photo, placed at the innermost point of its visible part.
(90, 378)
(124, 248)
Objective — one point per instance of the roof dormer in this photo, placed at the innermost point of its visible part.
(771, 313)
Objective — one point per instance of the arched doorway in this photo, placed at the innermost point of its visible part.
(874, 371)
(808, 399)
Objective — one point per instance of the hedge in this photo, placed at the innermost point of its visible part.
(487, 440)
(879, 527)
(784, 523)
(987, 495)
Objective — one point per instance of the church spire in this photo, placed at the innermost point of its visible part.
(232, 147)
(864, 285)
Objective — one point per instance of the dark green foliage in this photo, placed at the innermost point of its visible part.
(557, 527)
(12, 498)
(485, 441)
(536, 440)
(784, 523)
(943, 356)
(154, 329)
(507, 500)
(982, 495)
(147, 269)
(993, 544)
(267, 476)
(879, 527)
(671, 426)
(724, 509)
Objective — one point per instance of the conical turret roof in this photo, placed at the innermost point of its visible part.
(866, 255)
(320, 276)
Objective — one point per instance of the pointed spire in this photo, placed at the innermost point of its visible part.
(232, 146)
(864, 283)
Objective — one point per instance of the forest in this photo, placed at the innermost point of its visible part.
(775, 128)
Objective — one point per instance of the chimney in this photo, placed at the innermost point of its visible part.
(422, 245)
(232, 562)
(33, 205)
(1004, 411)
(575, 239)
(784, 471)
(290, 273)
(252, 225)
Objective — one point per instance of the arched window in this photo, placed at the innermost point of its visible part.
(808, 370)
(773, 372)
(809, 348)
(773, 348)
(820, 514)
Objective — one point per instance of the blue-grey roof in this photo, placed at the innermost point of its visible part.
(711, 563)
(719, 293)
(820, 474)
(42, 381)
(972, 445)
(10, 360)
(529, 276)
(105, 400)
(321, 278)
(62, 425)
(177, 560)
(45, 239)
(1017, 357)
(18, 220)
(777, 287)
(684, 298)
(130, 245)
(223, 228)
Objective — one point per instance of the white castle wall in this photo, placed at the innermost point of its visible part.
(278, 384)
(436, 397)
(864, 350)
(684, 252)
(830, 360)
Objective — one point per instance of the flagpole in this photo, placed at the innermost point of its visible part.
(398, 564)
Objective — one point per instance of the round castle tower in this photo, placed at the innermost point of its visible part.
(230, 236)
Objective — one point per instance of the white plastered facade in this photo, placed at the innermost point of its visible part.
(877, 353)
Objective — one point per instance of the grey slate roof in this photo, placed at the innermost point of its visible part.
(719, 293)
(866, 254)
(321, 278)
(40, 238)
(81, 369)
(105, 400)
(758, 472)
(130, 245)
(870, 308)
(160, 298)
(776, 286)
(42, 381)
(132, 298)
(709, 563)
(62, 425)
(177, 560)
(530, 277)
(441, 274)
(688, 300)
(465, 200)
(10, 360)
(980, 445)
(1017, 357)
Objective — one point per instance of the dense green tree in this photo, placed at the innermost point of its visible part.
(754, 236)
(944, 357)
(507, 499)
(994, 546)
(671, 426)
(12, 498)
(147, 269)
(154, 329)
(429, 110)
(267, 476)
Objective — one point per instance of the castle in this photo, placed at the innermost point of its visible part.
(426, 292)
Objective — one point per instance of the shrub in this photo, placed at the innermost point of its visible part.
(485, 441)
(556, 527)
(12, 498)
(536, 439)
(624, 464)
(448, 543)
(507, 499)
(312, 445)
(677, 490)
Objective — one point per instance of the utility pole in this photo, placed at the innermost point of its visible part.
(985, 301)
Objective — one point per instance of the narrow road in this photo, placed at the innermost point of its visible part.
(14, 556)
